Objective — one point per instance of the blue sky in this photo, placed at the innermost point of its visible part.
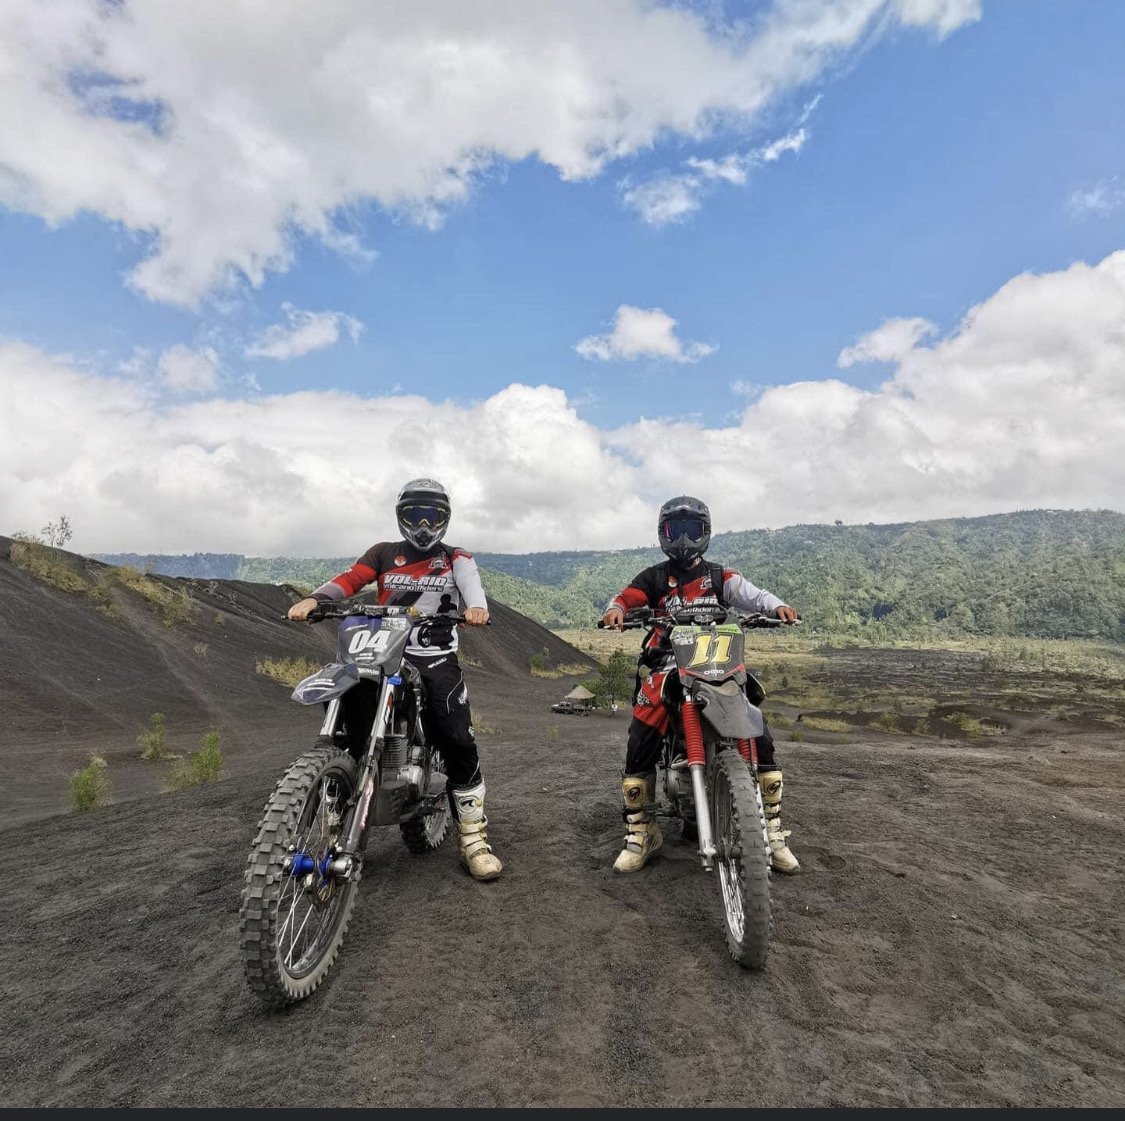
(933, 170)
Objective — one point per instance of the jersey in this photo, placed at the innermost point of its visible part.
(666, 589)
(445, 575)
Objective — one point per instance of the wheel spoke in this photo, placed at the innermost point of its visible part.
(289, 918)
(304, 923)
(303, 938)
(292, 920)
(727, 843)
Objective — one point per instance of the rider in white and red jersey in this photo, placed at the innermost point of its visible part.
(684, 528)
(447, 580)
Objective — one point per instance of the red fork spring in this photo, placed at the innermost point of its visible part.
(748, 749)
(693, 734)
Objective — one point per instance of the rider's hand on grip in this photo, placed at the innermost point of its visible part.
(786, 614)
(476, 616)
(301, 611)
(614, 618)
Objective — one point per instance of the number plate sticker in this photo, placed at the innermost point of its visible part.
(365, 644)
(709, 653)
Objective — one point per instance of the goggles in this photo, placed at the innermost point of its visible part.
(417, 517)
(691, 528)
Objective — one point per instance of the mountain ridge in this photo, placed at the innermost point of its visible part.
(1035, 573)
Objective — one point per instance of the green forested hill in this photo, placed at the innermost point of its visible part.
(1037, 573)
(305, 571)
(1043, 573)
(1047, 573)
(199, 566)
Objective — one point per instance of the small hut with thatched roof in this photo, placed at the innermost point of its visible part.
(579, 700)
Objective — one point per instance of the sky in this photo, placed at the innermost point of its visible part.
(807, 260)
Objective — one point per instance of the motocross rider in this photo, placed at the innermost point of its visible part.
(684, 528)
(446, 576)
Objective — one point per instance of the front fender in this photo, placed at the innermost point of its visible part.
(727, 709)
(333, 681)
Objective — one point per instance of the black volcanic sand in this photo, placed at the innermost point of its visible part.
(76, 681)
(955, 938)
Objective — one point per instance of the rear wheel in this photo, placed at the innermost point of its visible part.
(428, 830)
(295, 912)
(742, 859)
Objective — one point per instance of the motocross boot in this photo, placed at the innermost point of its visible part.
(781, 859)
(642, 835)
(476, 852)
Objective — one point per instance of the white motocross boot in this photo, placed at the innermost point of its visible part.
(781, 859)
(642, 834)
(476, 853)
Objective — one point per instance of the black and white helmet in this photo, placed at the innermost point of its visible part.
(684, 529)
(423, 512)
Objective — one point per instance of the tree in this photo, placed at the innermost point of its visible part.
(615, 679)
(57, 534)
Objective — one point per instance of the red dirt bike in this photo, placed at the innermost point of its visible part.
(710, 764)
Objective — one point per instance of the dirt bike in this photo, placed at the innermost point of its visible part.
(305, 866)
(710, 763)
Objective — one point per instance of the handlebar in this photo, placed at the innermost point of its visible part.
(644, 618)
(375, 611)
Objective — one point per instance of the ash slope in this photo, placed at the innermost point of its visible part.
(77, 680)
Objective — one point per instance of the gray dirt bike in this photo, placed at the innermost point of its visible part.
(304, 868)
(710, 764)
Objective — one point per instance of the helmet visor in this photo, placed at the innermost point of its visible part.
(423, 517)
(691, 528)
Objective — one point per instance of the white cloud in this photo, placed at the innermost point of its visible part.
(749, 389)
(302, 333)
(732, 168)
(157, 117)
(186, 372)
(1022, 406)
(668, 198)
(641, 333)
(891, 342)
(794, 142)
(255, 476)
(673, 196)
(944, 15)
(1104, 197)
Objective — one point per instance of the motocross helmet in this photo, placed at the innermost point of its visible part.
(423, 512)
(684, 529)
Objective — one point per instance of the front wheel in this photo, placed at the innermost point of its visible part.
(295, 911)
(742, 859)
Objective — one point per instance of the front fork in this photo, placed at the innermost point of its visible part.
(331, 718)
(345, 863)
(368, 770)
(697, 764)
(703, 817)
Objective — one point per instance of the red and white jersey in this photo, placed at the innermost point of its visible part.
(666, 589)
(446, 576)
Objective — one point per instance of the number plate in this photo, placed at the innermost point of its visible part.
(373, 643)
(709, 652)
